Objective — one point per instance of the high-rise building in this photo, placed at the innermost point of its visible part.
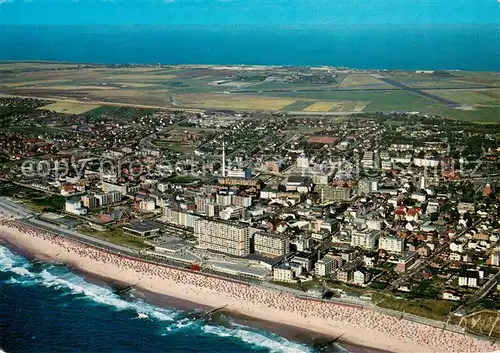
(391, 244)
(90, 201)
(326, 266)
(179, 217)
(223, 199)
(366, 186)
(337, 194)
(109, 197)
(201, 204)
(223, 236)
(212, 209)
(241, 201)
(367, 160)
(107, 187)
(366, 240)
(271, 243)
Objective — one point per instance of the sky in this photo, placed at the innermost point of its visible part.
(249, 12)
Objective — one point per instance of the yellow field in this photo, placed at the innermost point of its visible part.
(226, 101)
(145, 77)
(70, 107)
(337, 106)
(321, 106)
(31, 83)
(70, 88)
(351, 106)
(141, 69)
(137, 85)
(360, 80)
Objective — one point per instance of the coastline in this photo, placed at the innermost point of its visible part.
(360, 327)
(292, 333)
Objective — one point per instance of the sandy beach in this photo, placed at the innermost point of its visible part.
(360, 326)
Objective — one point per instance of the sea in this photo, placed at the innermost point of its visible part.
(48, 308)
(406, 47)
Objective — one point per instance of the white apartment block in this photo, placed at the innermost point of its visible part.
(241, 201)
(366, 240)
(391, 244)
(179, 217)
(224, 200)
(367, 160)
(325, 266)
(223, 236)
(107, 187)
(271, 244)
(283, 274)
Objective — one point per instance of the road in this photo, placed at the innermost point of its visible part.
(10, 208)
(485, 288)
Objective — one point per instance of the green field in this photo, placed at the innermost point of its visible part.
(470, 97)
(479, 114)
(430, 308)
(297, 106)
(116, 236)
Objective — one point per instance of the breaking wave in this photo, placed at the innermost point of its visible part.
(272, 342)
(68, 283)
(20, 272)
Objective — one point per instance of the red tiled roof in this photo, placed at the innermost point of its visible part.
(322, 139)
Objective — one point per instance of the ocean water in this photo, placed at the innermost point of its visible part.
(46, 308)
(466, 47)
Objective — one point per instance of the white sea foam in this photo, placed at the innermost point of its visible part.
(274, 344)
(69, 283)
(61, 279)
(8, 259)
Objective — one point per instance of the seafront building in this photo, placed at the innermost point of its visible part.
(325, 266)
(222, 236)
(273, 244)
(179, 217)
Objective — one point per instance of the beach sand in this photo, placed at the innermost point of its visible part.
(362, 327)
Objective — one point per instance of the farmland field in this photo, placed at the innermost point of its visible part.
(70, 107)
(287, 89)
(297, 106)
(360, 80)
(137, 85)
(321, 106)
(31, 83)
(374, 100)
(68, 87)
(232, 101)
(143, 77)
(477, 114)
(469, 97)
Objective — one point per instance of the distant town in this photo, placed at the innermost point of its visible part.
(395, 210)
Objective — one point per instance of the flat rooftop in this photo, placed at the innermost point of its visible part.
(142, 226)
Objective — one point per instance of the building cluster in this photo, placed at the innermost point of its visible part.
(357, 201)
